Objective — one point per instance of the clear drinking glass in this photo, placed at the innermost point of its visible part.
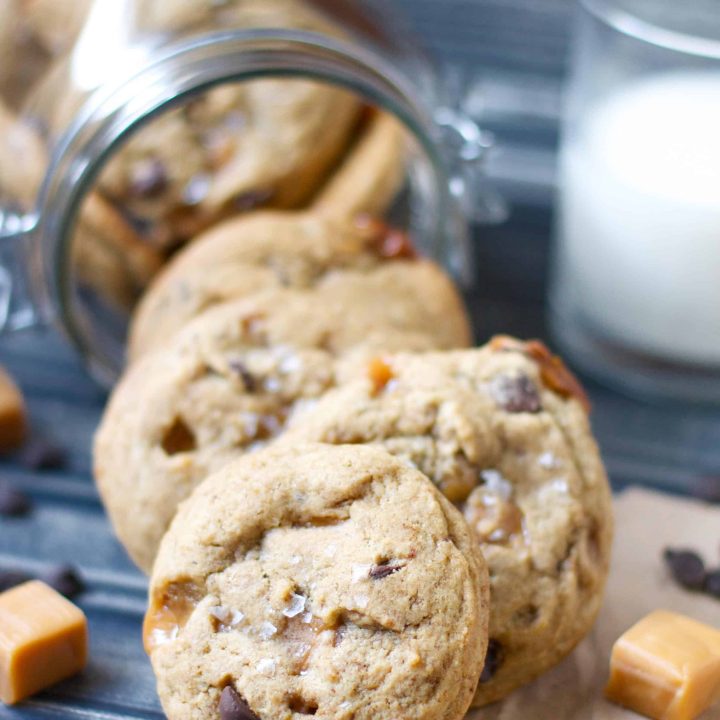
(635, 292)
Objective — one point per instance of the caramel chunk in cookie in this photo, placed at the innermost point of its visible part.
(555, 374)
(516, 455)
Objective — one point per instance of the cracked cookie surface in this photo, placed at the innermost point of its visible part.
(503, 433)
(227, 385)
(318, 580)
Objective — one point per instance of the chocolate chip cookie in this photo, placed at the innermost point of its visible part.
(317, 580)
(503, 432)
(291, 249)
(227, 384)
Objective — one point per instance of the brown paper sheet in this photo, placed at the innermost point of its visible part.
(646, 523)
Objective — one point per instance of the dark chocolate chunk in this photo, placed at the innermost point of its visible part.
(378, 572)
(149, 178)
(516, 393)
(13, 502)
(712, 583)
(11, 578)
(41, 454)
(687, 567)
(237, 366)
(233, 707)
(493, 660)
(178, 438)
(65, 579)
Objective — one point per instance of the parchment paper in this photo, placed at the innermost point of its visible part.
(646, 523)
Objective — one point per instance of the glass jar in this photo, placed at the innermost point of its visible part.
(115, 140)
(635, 297)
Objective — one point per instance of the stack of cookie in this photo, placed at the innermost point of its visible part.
(299, 578)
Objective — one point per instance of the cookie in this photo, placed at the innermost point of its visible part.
(263, 142)
(371, 175)
(225, 385)
(327, 581)
(504, 433)
(285, 249)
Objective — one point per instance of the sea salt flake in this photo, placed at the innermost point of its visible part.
(548, 461)
(497, 484)
(227, 616)
(267, 630)
(307, 618)
(362, 601)
(295, 606)
(197, 189)
(290, 364)
(360, 572)
(560, 484)
(295, 560)
(266, 666)
(271, 385)
(162, 637)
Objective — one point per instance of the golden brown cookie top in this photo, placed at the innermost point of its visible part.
(332, 581)
(273, 249)
(227, 383)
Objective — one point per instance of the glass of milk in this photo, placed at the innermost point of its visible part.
(635, 290)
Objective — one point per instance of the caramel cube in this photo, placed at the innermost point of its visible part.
(12, 414)
(666, 667)
(43, 639)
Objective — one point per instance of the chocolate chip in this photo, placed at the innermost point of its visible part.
(13, 502)
(237, 366)
(712, 583)
(41, 454)
(378, 572)
(687, 567)
(233, 707)
(11, 578)
(493, 660)
(515, 393)
(149, 178)
(65, 579)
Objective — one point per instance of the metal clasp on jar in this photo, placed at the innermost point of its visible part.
(468, 147)
(21, 305)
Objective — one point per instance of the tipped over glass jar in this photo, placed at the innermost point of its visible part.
(131, 126)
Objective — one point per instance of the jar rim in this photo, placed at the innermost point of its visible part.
(622, 20)
(195, 66)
